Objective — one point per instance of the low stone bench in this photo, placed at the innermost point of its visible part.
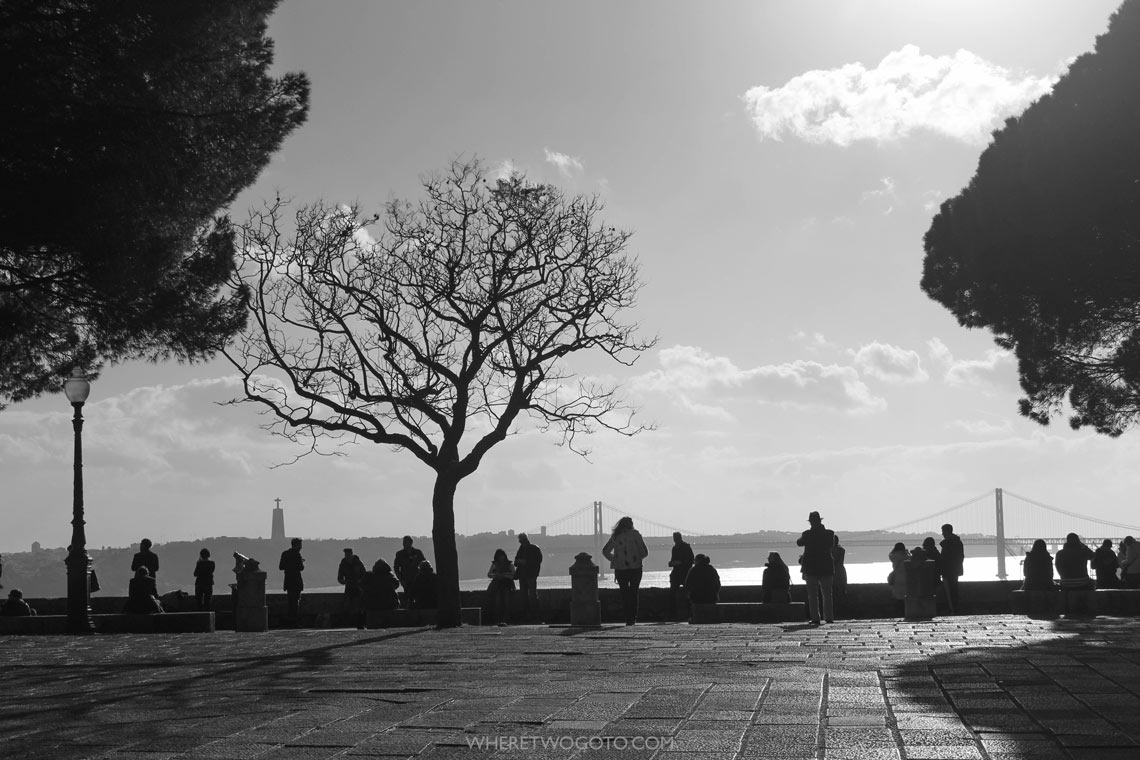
(1038, 604)
(400, 618)
(166, 622)
(1117, 602)
(749, 612)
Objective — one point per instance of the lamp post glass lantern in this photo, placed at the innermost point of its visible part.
(77, 388)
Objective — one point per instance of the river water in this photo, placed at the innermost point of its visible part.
(976, 569)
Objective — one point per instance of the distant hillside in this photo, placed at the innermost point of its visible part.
(43, 574)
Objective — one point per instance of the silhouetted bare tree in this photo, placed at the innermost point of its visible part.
(436, 336)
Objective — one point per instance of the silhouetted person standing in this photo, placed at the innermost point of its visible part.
(1105, 564)
(502, 575)
(626, 550)
(293, 564)
(528, 564)
(350, 574)
(681, 561)
(144, 557)
(818, 568)
(839, 580)
(204, 580)
(406, 565)
(953, 564)
(930, 548)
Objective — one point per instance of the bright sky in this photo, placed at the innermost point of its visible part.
(778, 162)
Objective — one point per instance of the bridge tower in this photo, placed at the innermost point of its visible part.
(599, 531)
(1000, 533)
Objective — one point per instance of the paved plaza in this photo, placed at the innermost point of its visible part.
(997, 687)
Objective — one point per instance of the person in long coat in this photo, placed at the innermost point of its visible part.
(818, 568)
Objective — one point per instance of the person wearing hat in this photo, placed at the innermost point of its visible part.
(818, 568)
(776, 581)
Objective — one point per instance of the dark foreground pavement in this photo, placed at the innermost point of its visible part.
(972, 687)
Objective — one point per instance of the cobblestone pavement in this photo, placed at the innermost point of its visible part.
(997, 687)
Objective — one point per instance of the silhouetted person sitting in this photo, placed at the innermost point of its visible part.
(1105, 563)
(703, 581)
(16, 606)
(142, 594)
(777, 580)
(424, 594)
(1129, 557)
(1037, 568)
(1072, 563)
(144, 557)
(380, 587)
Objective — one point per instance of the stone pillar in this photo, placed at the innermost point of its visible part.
(585, 608)
(250, 611)
(920, 603)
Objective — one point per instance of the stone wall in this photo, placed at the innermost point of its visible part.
(871, 600)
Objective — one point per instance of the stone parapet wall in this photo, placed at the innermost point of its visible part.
(863, 601)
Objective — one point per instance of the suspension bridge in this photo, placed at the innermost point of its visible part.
(1007, 521)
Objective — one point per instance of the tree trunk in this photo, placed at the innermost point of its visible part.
(446, 555)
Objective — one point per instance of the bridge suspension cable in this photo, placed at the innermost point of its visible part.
(1067, 513)
(666, 529)
(941, 512)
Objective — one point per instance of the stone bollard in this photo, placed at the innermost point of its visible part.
(250, 610)
(920, 603)
(585, 609)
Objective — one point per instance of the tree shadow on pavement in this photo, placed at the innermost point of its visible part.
(1052, 689)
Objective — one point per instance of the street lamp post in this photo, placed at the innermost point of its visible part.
(77, 388)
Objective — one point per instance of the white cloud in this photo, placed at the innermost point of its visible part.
(890, 363)
(567, 165)
(996, 370)
(983, 427)
(960, 96)
(698, 380)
